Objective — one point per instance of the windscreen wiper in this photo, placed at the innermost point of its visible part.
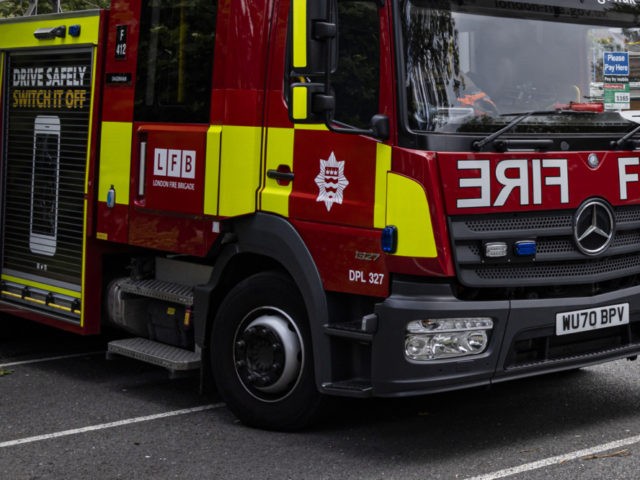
(571, 107)
(626, 139)
(478, 145)
(632, 116)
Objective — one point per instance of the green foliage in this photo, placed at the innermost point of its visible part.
(17, 8)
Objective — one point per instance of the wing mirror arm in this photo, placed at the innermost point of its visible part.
(326, 102)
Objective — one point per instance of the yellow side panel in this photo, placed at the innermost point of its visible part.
(212, 170)
(299, 8)
(115, 160)
(18, 33)
(275, 198)
(239, 170)
(321, 127)
(299, 102)
(408, 210)
(383, 165)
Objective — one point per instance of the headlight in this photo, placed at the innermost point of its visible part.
(446, 338)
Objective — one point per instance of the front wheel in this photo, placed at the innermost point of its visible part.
(261, 354)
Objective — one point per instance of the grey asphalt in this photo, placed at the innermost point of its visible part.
(449, 436)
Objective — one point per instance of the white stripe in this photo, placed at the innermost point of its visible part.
(103, 426)
(48, 359)
(527, 467)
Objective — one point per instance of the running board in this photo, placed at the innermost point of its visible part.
(177, 360)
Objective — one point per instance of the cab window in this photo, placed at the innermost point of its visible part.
(356, 80)
(175, 61)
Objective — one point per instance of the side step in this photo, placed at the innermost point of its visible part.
(160, 290)
(177, 360)
(359, 330)
(355, 387)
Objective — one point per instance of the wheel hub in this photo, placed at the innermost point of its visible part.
(267, 354)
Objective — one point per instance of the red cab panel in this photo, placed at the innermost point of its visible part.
(171, 171)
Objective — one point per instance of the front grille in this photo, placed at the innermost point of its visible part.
(530, 222)
(557, 261)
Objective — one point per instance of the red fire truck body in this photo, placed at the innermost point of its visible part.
(312, 198)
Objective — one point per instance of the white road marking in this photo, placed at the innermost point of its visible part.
(527, 467)
(103, 426)
(49, 359)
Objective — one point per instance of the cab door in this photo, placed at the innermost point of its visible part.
(335, 182)
(339, 192)
(171, 127)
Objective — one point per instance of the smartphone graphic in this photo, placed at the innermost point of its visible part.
(45, 172)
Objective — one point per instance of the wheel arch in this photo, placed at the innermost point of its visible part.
(255, 244)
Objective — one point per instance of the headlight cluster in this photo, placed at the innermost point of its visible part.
(433, 339)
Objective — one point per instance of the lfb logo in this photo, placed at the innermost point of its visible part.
(169, 162)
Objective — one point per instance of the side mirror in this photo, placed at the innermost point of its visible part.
(313, 58)
(303, 103)
(380, 127)
(313, 32)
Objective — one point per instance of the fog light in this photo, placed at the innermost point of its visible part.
(495, 249)
(446, 338)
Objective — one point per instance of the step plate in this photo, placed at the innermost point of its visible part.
(172, 358)
(170, 292)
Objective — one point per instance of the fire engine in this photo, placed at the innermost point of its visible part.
(314, 198)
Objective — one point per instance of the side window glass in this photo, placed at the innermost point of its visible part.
(175, 61)
(356, 80)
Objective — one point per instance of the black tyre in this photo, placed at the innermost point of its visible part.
(261, 354)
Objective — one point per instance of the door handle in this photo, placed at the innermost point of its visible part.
(283, 175)
(142, 168)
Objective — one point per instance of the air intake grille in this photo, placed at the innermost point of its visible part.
(557, 261)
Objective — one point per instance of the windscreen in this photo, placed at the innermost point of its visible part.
(471, 66)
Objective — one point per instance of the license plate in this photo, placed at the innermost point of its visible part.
(592, 318)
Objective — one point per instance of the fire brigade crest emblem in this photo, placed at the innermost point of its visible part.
(331, 181)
